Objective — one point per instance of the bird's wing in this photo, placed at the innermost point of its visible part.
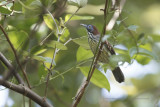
(109, 47)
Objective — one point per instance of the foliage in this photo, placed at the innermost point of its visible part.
(36, 37)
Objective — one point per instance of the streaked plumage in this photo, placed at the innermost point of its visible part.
(107, 50)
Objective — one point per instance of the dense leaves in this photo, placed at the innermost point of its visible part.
(35, 36)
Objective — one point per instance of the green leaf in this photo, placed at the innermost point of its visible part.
(133, 27)
(156, 38)
(49, 22)
(114, 59)
(98, 78)
(44, 59)
(42, 71)
(17, 38)
(65, 34)
(143, 59)
(32, 9)
(37, 50)
(57, 44)
(118, 22)
(142, 51)
(76, 17)
(83, 54)
(78, 3)
(4, 10)
(82, 41)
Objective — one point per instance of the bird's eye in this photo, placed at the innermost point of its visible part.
(89, 26)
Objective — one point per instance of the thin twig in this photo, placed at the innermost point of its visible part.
(71, 16)
(118, 9)
(54, 54)
(53, 20)
(15, 54)
(131, 34)
(60, 32)
(46, 38)
(80, 92)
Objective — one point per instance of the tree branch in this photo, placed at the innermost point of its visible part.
(118, 9)
(10, 67)
(15, 54)
(26, 92)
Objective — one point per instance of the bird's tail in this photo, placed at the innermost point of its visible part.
(118, 75)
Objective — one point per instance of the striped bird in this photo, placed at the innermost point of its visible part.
(107, 50)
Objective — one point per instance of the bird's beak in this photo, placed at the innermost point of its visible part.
(84, 25)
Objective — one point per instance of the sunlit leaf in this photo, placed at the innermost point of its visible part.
(142, 59)
(98, 78)
(37, 50)
(82, 41)
(83, 54)
(56, 44)
(17, 38)
(78, 3)
(76, 17)
(49, 22)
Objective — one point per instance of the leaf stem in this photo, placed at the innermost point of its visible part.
(72, 16)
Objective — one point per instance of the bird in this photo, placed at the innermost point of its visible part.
(106, 52)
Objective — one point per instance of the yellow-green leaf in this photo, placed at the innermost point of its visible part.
(17, 38)
(98, 78)
(76, 17)
(83, 54)
(49, 22)
(57, 44)
(82, 41)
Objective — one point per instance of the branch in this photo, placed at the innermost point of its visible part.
(54, 55)
(118, 9)
(10, 67)
(26, 92)
(81, 90)
(15, 54)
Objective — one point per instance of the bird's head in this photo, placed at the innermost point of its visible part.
(91, 28)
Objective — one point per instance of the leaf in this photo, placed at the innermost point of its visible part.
(32, 9)
(65, 34)
(44, 59)
(118, 22)
(17, 38)
(76, 17)
(37, 50)
(142, 51)
(83, 54)
(98, 78)
(143, 59)
(4, 10)
(156, 38)
(57, 44)
(78, 3)
(49, 22)
(82, 41)
(42, 71)
(133, 27)
(114, 59)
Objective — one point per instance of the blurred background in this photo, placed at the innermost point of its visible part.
(28, 25)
